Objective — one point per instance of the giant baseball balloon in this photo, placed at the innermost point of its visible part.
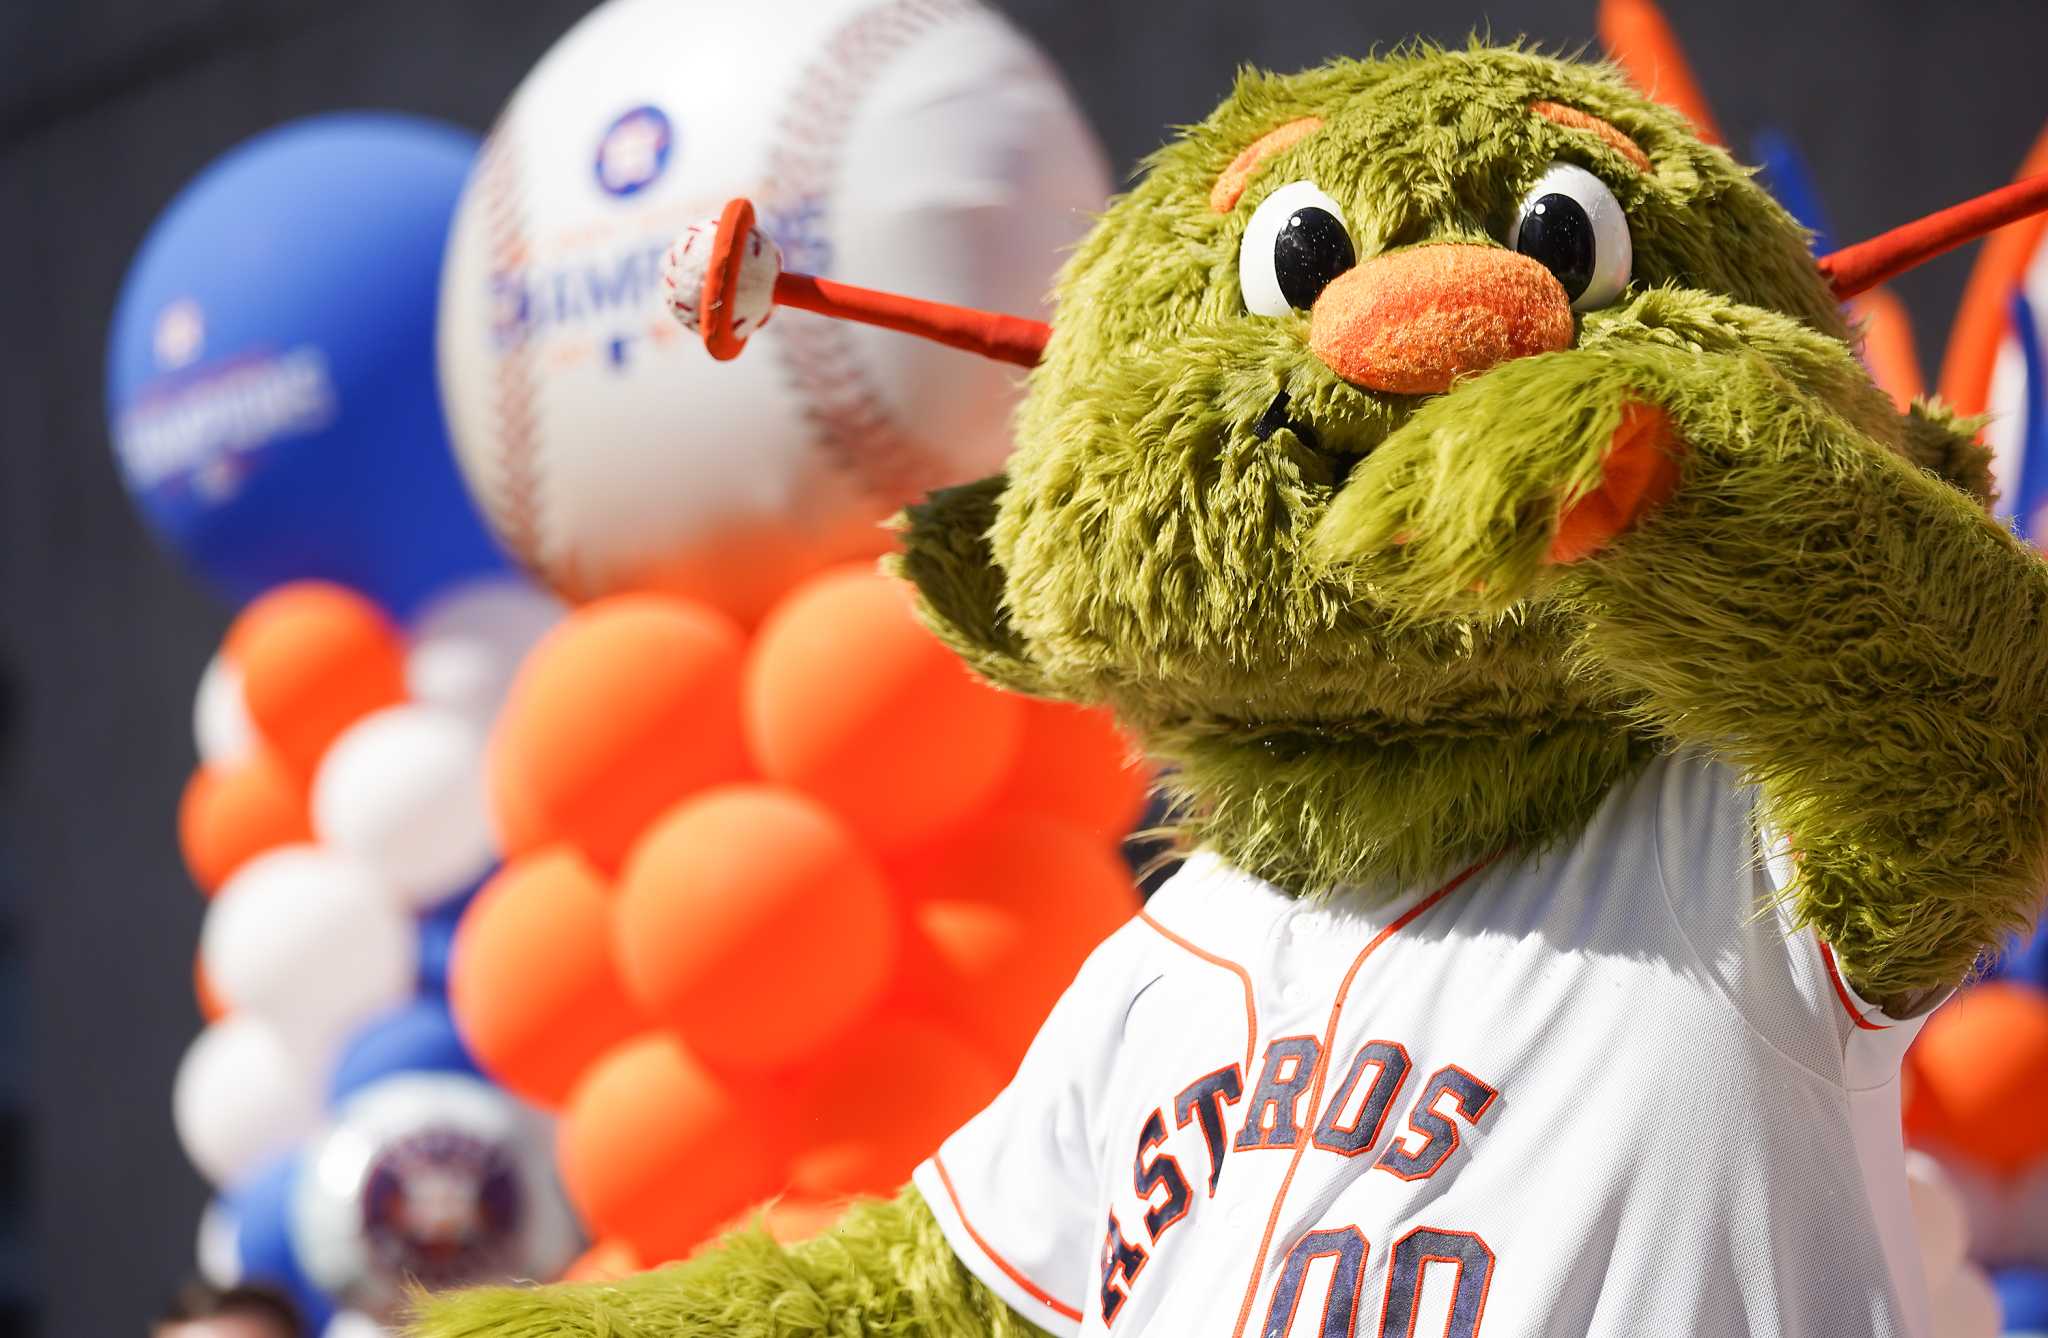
(918, 145)
(270, 370)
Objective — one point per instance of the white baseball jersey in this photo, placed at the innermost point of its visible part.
(1608, 1092)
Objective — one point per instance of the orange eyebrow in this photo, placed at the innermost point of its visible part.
(1229, 187)
(1571, 118)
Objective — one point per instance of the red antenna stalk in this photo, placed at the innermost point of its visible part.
(1858, 268)
(1012, 339)
(1021, 341)
(991, 334)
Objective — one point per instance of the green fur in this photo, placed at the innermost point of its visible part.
(884, 1271)
(1853, 633)
(1362, 682)
(958, 585)
(1342, 711)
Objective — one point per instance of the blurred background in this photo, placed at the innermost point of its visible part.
(108, 107)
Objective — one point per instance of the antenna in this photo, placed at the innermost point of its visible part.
(1855, 269)
(737, 280)
(726, 279)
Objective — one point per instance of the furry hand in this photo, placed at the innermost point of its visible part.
(1488, 489)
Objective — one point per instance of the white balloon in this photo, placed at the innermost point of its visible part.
(1938, 1219)
(219, 1248)
(437, 1178)
(469, 643)
(917, 146)
(242, 1096)
(221, 726)
(354, 1324)
(1968, 1306)
(312, 941)
(402, 790)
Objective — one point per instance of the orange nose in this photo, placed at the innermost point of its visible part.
(1414, 321)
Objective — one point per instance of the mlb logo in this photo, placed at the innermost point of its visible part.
(634, 151)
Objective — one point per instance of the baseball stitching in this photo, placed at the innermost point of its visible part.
(514, 411)
(853, 426)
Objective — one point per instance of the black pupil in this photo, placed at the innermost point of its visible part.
(1309, 252)
(1556, 234)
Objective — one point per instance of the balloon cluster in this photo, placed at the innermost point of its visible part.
(1976, 1104)
(747, 877)
(338, 823)
(280, 433)
(743, 867)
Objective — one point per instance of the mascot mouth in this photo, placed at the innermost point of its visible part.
(1276, 418)
(1337, 457)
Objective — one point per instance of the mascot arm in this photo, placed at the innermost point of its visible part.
(884, 1269)
(1765, 578)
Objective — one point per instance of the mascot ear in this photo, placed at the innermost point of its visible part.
(946, 555)
(1946, 444)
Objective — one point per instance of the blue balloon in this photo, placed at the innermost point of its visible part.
(418, 1037)
(261, 1208)
(270, 372)
(2023, 1292)
(1787, 177)
(437, 940)
(2023, 958)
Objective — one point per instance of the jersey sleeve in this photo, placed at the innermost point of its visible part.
(1873, 1042)
(1016, 1189)
(1725, 867)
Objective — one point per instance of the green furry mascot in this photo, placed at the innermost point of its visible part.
(1606, 722)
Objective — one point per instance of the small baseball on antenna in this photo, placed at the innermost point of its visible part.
(719, 278)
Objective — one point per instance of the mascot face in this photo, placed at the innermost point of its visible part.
(1325, 255)
(1370, 293)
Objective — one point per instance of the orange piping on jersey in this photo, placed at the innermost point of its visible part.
(1827, 955)
(1315, 1097)
(1010, 1271)
(1251, 1008)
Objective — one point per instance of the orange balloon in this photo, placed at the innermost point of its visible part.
(746, 567)
(211, 1006)
(1983, 1062)
(628, 705)
(789, 1218)
(851, 1138)
(314, 658)
(606, 1261)
(848, 698)
(1926, 1123)
(656, 1152)
(751, 922)
(531, 980)
(1002, 917)
(230, 814)
(1074, 764)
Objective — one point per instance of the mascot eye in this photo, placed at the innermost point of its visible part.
(1295, 244)
(1572, 225)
